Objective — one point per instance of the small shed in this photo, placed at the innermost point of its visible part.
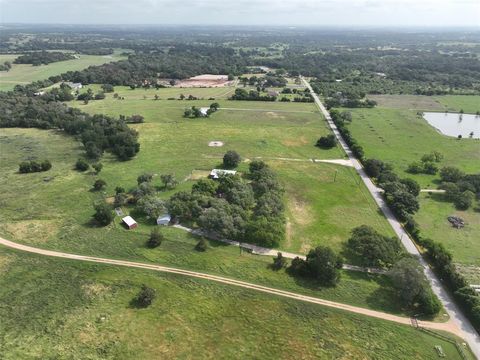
(129, 222)
(164, 219)
(216, 173)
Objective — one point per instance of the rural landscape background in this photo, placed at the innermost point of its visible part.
(218, 190)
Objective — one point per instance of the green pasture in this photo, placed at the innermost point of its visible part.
(401, 137)
(55, 308)
(25, 73)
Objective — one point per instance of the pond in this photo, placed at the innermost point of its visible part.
(454, 124)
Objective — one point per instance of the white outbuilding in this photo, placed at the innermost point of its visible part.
(129, 222)
(216, 173)
(164, 219)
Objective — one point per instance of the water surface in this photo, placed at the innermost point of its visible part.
(454, 124)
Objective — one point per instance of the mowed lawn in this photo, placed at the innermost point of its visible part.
(58, 308)
(400, 137)
(26, 73)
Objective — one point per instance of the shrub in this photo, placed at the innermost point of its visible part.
(231, 159)
(145, 297)
(279, 262)
(156, 238)
(327, 142)
(99, 184)
(103, 213)
(201, 245)
(81, 165)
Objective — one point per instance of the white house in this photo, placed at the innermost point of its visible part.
(131, 224)
(164, 219)
(74, 86)
(216, 173)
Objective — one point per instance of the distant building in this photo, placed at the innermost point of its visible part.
(164, 219)
(216, 173)
(273, 93)
(39, 93)
(129, 222)
(74, 86)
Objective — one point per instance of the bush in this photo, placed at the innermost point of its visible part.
(373, 248)
(231, 159)
(156, 238)
(327, 142)
(103, 214)
(279, 262)
(33, 166)
(99, 184)
(145, 297)
(81, 165)
(97, 167)
(201, 245)
(464, 200)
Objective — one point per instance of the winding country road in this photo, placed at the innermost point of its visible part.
(456, 315)
(447, 326)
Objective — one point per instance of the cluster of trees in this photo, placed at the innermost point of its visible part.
(347, 99)
(400, 194)
(178, 62)
(321, 264)
(252, 95)
(327, 142)
(236, 209)
(262, 82)
(460, 188)
(341, 119)
(412, 287)
(427, 164)
(373, 248)
(6, 66)
(442, 261)
(43, 57)
(98, 133)
(196, 112)
(34, 166)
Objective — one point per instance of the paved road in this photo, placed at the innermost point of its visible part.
(468, 332)
(447, 326)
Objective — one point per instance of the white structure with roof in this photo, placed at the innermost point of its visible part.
(164, 219)
(216, 173)
(128, 220)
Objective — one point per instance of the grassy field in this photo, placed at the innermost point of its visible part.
(25, 73)
(469, 104)
(463, 243)
(59, 309)
(54, 210)
(401, 137)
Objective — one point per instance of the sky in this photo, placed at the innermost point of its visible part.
(403, 13)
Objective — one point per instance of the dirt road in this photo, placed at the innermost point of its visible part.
(448, 326)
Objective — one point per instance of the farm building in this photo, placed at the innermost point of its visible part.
(129, 222)
(216, 173)
(74, 86)
(273, 93)
(164, 219)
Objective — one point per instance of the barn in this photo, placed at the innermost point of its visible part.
(129, 222)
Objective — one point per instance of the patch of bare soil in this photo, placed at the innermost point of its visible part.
(205, 80)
